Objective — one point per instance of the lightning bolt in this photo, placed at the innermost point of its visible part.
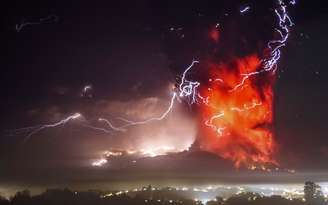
(50, 18)
(39, 128)
(121, 129)
(163, 115)
(245, 9)
(210, 123)
(271, 63)
(246, 107)
(187, 88)
(87, 88)
(86, 91)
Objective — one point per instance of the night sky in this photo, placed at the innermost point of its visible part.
(131, 52)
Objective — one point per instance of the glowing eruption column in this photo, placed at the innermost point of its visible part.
(237, 105)
(236, 122)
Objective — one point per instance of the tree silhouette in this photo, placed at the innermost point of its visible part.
(22, 198)
(313, 193)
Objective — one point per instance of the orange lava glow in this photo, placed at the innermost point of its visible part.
(237, 123)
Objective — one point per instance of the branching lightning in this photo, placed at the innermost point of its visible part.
(36, 129)
(271, 63)
(214, 127)
(164, 115)
(187, 88)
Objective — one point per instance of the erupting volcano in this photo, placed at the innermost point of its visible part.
(236, 98)
(232, 93)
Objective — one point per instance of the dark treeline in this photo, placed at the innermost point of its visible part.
(312, 196)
